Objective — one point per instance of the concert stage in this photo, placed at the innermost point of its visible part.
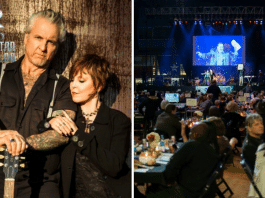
(203, 89)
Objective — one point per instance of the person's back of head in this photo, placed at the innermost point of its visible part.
(260, 107)
(205, 131)
(164, 104)
(214, 82)
(220, 126)
(217, 103)
(214, 111)
(210, 96)
(232, 106)
(170, 108)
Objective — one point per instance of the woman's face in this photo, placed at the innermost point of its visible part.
(82, 87)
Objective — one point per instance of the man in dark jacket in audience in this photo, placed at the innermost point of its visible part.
(191, 166)
(255, 130)
(215, 90)
(168, 122)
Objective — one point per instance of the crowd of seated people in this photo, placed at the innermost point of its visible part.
(229, 121)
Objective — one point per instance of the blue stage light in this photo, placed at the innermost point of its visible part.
(257, 22)
(200, 22)
(179, 22)
(176, 22)
(236, 22)
(225, 23)
(261, 22)
(240, 22)
(195, 22)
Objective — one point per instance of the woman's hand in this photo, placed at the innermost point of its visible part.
(183, 131)
(64, 125)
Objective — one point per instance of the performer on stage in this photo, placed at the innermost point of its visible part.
(207, 77)
(260, 77)
(212, 74)
(241, 77)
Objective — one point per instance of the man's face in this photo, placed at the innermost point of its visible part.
(41, 43)
(257, 129)
(220, 48)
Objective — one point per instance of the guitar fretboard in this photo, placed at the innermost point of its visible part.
(9, 188)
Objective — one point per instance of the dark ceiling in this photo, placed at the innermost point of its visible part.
(197, 3)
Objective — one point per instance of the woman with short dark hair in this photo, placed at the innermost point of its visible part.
(93, 163)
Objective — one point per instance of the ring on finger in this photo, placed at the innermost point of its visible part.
(63, 124)
(12, 140)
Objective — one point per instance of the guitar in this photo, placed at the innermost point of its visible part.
(11, 166)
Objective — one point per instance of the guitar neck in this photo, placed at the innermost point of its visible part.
(9, 188)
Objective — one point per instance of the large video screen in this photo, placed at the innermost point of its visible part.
(218, 50)
(172, 97)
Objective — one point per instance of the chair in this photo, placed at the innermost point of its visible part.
(250, 175)
(218, 173)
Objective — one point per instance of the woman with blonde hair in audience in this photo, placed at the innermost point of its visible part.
(233, 121)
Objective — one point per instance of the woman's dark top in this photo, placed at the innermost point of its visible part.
(89, 181)
(101, 152)
(232, 121)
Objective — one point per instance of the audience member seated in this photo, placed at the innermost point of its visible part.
(163, 105)
(260, 108)
(255, 129)
(152, 103)
(223, 141)
(205, 106)
(233, 121)
(214, 111)
(168, 122)
(200, 100)
(259, 172)
(182, 98)
(191, 166)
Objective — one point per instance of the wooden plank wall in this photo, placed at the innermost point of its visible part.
(94, 26)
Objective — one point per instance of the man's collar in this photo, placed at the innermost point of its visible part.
(16, 65)
(254, 138)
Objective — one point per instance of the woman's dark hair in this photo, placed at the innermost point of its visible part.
(97, 67)
(220, 126)
(211, 136)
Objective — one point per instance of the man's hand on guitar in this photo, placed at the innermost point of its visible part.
(14, 142)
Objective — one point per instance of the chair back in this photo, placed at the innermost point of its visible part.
(217, 171)
(160, 132)
(248, 171)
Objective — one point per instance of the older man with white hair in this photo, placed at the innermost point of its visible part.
(26, 91)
